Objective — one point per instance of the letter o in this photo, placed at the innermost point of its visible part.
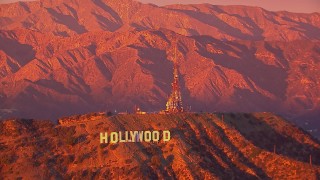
(147, 136)
(155, 136)
(114, 137)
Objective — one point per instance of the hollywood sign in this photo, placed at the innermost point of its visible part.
(135, 136)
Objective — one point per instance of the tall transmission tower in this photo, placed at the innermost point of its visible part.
(174, 103)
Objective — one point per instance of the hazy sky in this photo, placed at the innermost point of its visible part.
(273, 5)
(10, 1)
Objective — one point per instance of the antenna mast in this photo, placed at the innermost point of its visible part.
(174, 103)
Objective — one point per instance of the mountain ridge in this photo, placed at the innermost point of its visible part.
(67, 18)
(241, 59)
(202, 145)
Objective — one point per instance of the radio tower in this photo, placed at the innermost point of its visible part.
(174, 103)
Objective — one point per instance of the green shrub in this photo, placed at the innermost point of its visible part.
(113, 146)
(67, 135)
(156, 161)
(36, 163)
(128, 161)
(255, 153)
(70, 140)
(7, 159)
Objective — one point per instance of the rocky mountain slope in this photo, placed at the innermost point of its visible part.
(241, 146)
(70, 17)
(69, 56)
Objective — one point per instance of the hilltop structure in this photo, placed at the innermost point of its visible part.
(174, 103)
(137, 110)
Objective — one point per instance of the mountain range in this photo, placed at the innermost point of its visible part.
(63, 57)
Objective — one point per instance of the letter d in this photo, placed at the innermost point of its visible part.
(166, 136)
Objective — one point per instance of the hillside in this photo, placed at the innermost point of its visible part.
(63, 57)
(202, 146)
(67, 18)
(63, 76)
